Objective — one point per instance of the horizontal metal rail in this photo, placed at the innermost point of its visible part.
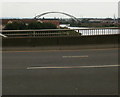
(58, 29)
(61, 32)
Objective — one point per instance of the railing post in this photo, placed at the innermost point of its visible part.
(33, 33)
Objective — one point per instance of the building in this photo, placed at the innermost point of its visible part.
(52, 21)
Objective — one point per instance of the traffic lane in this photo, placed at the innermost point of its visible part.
(82, 81)
(21, 60)
(18, 80)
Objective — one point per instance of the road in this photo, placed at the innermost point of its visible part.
(61, 72)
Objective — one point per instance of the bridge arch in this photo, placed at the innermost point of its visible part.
(38, 16)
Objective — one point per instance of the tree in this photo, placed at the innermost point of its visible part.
(49, 26)
(16, 26)
(38, 25)
(34, 25)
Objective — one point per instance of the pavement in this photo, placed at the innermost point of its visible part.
(60, 72)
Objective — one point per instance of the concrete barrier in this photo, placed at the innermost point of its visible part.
(63, 42)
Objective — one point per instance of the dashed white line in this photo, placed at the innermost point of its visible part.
(84, 56)
(67, 67)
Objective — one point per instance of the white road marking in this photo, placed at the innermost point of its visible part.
(67, 67)
(84, 56)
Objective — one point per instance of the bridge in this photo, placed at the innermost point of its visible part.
(73, 17)
(47, 64)
(47, 61)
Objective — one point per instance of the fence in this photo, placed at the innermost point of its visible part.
(61, 32)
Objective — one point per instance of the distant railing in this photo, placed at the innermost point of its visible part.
(60, 32)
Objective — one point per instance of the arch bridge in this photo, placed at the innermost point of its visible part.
(74, 18)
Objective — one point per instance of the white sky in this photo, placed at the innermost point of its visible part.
(24, 9)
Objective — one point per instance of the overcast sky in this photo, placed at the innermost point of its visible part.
(77, 9)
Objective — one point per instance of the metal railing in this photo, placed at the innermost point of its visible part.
(60, 32)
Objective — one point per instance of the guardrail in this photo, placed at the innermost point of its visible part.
(60, 32)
